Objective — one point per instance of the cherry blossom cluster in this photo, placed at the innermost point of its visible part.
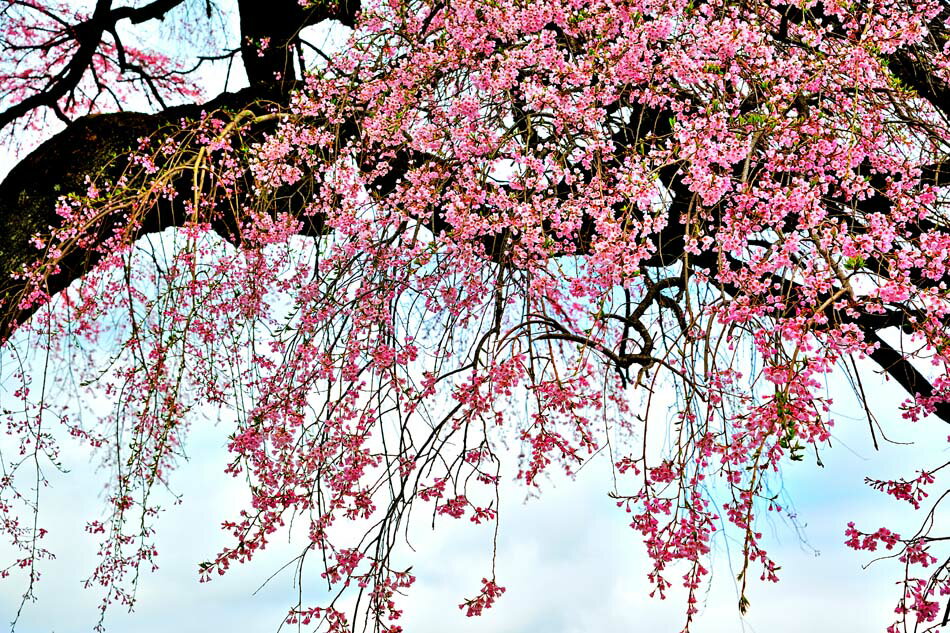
(41, 41)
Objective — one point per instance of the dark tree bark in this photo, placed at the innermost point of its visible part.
(95, 145)
(92, 145)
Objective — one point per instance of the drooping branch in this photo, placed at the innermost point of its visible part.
(269, 34)
(61, 166)
(909, 66)
(88, 36)
(97, 145)
(91, 147)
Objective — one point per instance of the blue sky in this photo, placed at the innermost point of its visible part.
(568, 559)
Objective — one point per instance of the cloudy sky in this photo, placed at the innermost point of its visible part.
(568, 559)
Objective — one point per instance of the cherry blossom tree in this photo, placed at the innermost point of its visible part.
(479, 228)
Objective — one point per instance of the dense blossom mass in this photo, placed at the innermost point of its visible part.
(486, 225)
